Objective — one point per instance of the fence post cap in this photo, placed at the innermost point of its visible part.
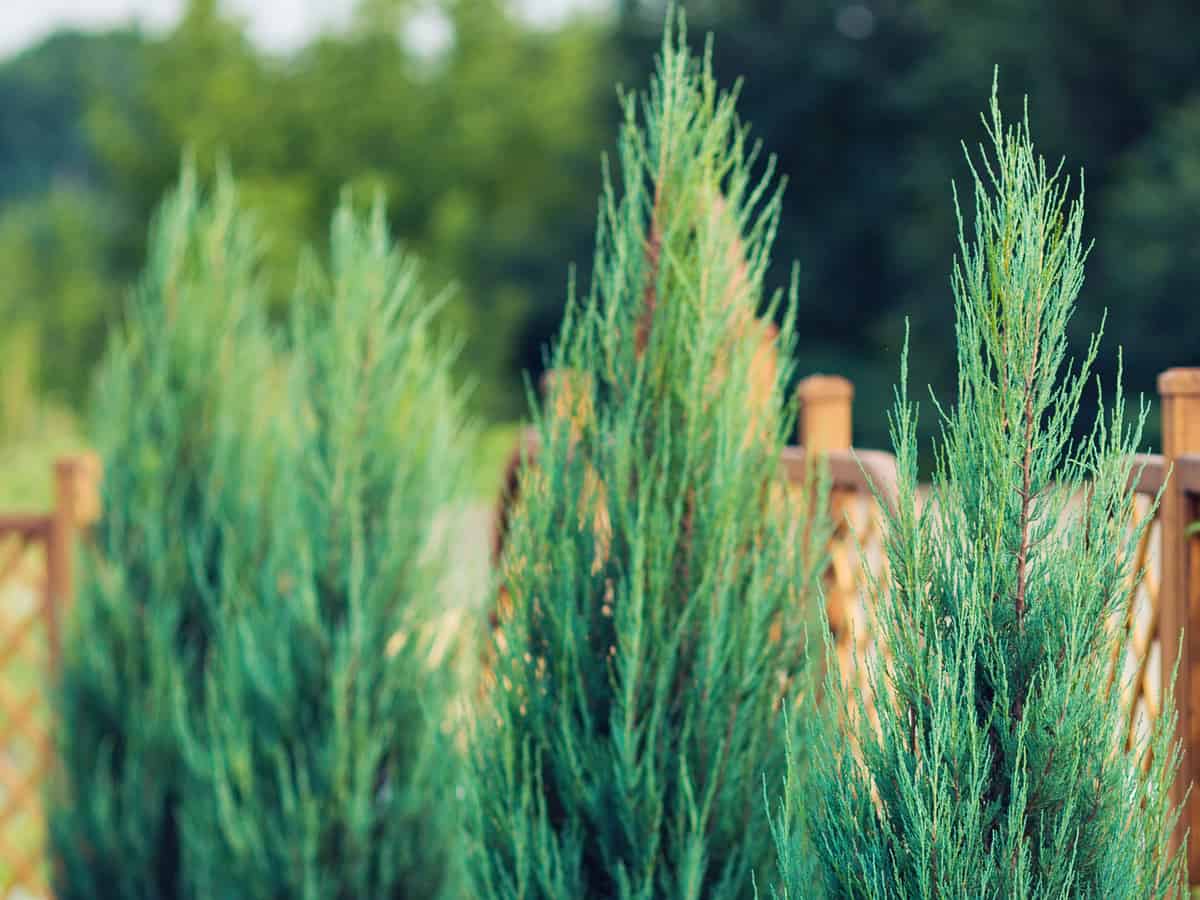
(816, 388)
(1179, 381)
(79, 477)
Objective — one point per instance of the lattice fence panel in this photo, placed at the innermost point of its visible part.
(856, 554)
(25, 748)
(1137, 667)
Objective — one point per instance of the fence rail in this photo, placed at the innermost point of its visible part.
(1187, 473)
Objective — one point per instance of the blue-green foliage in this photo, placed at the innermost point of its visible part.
(656, 573)
(250, 705)
(180, 390)
(324, 748)
(998, 768)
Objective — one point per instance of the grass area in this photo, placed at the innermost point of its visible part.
(27, 455)
(495, 445)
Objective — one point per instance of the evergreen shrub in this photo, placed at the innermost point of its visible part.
(251, 701)
(656, 579)
(326, 745)
(174, 421)
(998, 767)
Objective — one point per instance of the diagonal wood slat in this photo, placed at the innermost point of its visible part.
(25, 868)
(14, 555)
(18, 635)
(23, 793)
(20, 726)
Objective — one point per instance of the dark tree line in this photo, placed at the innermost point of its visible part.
(488, 150)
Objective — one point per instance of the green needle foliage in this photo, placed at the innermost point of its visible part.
(324, 748)
(656, 577)
(251, 700)
(173, 421)
(998, 768)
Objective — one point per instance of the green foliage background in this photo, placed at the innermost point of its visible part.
(487, 154)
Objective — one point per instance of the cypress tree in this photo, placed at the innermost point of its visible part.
(324, 767)
(178, 395)
(997, 769)
(655, 580)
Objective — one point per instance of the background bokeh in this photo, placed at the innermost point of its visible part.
(485, 125)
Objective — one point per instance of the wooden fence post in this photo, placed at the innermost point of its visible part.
(1180, 590)
(825, 415)
(825, 424)
(76, 505)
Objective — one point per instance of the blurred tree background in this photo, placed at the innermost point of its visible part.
(487, 144)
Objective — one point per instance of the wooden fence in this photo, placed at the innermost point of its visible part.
(1179, 579)
(35, 591)
(1165, 602)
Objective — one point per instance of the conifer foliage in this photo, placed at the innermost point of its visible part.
(324, 749)
(655, 581)
(996, 769)
(250, 704)
(177, 399)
